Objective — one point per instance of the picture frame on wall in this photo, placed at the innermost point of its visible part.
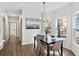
(32, 23)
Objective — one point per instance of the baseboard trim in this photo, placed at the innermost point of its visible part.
(24, 43)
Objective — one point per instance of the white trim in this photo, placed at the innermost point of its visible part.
(74, 48)
(75, 12)
(75, 44)
(60, 17)
(26, 43)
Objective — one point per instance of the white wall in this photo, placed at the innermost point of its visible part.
(1, 28)
(28, 34)
(1, 24)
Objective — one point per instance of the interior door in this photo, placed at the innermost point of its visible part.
(13, 29)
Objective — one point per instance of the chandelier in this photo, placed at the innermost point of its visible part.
(44, 13)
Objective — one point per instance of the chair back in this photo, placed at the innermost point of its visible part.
(57, 45)
(38, 40)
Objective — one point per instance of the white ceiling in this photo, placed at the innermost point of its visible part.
(32, 6)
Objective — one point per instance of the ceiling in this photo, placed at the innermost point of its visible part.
(32, 6)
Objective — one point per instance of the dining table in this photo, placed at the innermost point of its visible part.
(51, 40)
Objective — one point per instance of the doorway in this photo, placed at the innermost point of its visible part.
(4, 28)
(12, 29)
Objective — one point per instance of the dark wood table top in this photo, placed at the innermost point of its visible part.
(51, 40)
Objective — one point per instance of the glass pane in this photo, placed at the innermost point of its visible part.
(77, 36)
(77, 28)
(77, 21)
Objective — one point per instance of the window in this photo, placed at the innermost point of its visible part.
(77, 28)
(62, 27)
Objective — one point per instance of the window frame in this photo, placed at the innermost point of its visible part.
(74, 27)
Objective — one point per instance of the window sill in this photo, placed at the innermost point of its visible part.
(75, 44)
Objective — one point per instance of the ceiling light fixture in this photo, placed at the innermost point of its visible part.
(44, 11)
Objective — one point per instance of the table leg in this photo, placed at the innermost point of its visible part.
(62, 48)
(47, 49)
(34, 43)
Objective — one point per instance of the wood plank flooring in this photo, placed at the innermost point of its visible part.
(13, 48)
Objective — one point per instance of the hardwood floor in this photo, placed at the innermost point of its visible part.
(13, 48)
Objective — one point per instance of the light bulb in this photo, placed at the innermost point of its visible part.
(40, 18)
(47, 17)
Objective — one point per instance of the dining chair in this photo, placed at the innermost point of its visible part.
(56, 47)
(40, 48)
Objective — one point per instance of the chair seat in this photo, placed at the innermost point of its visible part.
(56, 47)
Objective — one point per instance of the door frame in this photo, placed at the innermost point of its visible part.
(9, 28)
